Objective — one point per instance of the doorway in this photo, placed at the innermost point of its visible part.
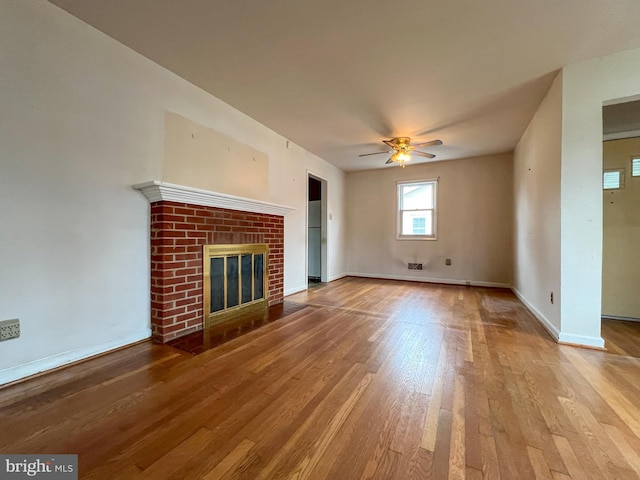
(316, 231)
(621, 217)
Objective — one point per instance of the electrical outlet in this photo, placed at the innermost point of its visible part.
(9, 329)
(551, 298)
(447, 261)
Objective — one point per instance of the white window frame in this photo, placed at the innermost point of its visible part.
(399, 210)
(620, 172)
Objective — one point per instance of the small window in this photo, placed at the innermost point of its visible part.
(419, 225)
(417, 210)
(613, 179)
(635, 167)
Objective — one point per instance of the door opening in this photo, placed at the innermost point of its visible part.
(314, 220)
(316, 231)
(620, 217)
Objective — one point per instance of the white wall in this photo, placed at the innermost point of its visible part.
(81, 120)
(586, 86)
(537, 160)
(621, 234)
(475, 220)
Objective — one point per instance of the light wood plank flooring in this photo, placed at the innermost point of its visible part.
(370, 380)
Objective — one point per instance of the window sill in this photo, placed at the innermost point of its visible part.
(415, 237)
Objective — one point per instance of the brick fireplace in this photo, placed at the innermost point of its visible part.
(183, 220)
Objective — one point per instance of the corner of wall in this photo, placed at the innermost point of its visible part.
(558, 336)
(544, 321)
(537, 197)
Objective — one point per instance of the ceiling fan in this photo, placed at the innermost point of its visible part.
(402, 149)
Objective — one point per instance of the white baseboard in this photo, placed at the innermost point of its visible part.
(544, 321)
(447, 281)
(581, 340)
(624, 319)
(54, 361)
(302, 288)
(337, 277)
(558, 336)
(291, 291)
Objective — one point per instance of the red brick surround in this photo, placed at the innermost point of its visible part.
(178, 232)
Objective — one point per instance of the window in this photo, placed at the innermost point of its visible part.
(417, 209)
(613, 179)
(635, 167)
(419, 225)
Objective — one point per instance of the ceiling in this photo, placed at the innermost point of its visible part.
(338, 76)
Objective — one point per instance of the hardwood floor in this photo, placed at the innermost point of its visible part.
(370, 380)
(622, 337)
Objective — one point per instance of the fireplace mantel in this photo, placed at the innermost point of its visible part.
(157, 191)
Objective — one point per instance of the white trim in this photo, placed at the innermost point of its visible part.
(298, 289)
(448, 281)
(558, 336)
(54, 361)
(333, 278)
(419, 180)
(544, 321)
(157, 191)
(620, 135)
(581, 340)
(302, 288)
(623, 319)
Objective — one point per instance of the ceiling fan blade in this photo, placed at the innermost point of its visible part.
(374, 153)
(427, 144)
(423, 154)
(388, 161)
(391, 143)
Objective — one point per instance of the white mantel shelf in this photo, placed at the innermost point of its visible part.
(157, 191)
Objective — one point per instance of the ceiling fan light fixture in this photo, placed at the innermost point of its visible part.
(404, 156)
(400, 157)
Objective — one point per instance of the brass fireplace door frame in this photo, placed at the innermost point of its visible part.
(234, 250)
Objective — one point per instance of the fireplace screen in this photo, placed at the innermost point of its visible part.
(235, 276)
